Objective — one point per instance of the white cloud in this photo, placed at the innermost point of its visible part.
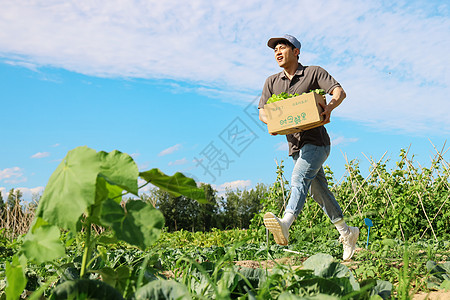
(40, 155)
(135, 155)
(233, 185)
(178, 162)
(146, 188)
(12, 175)
(27, 193)
(144, 166)
(391, 58)
(282, 146)
(24, 64)
(170, 150)
(340, 140)
(9, 172)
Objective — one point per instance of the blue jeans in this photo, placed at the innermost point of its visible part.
(308, 175)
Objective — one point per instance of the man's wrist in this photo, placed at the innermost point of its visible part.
(333, 103)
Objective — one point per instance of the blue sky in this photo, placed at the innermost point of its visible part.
(176, 84)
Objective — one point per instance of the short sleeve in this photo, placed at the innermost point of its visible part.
(266, 93)
(326, 81)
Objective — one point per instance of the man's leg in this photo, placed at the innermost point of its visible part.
(307, 162)
(323, 196)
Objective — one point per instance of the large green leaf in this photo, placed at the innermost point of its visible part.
(324, 265)
(119, 169)
(71, 189)
(104, 191)
(164, 290)
(438, 274)
(139, 224)
(118, 278)
(238, 280)
(15, 277)
(382, 288)
(85, 289)
(320, 285)
(177, 185)
(43, 244)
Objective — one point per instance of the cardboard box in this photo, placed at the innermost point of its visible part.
(295, 114)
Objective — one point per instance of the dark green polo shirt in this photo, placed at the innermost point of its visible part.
(306, 78)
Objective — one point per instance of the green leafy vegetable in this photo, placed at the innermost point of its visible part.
(317, 91)
(283, 95)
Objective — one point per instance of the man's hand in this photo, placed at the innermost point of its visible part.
(262, 115)
(263, 118)
(326, 113)
(338, 95)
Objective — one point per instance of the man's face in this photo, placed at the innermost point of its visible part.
(285, 55)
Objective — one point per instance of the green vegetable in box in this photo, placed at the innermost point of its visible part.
(283, 95)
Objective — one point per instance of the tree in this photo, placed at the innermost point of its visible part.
(208, 214)
(231, 209)
(35, 198)
(251, 203)
(2, 203)
(179, 212)
(241, 206)
(185, 213)
(236, 210)
(14, 198)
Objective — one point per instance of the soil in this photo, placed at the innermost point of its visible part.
(269, 264)
(434, 295)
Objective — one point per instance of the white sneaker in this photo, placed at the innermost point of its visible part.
(278, 228)
(349, 242)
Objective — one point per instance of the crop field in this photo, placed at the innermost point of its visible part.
(84, 241)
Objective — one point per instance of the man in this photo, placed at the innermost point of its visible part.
(309, 148)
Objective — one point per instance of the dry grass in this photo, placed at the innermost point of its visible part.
(16, 220)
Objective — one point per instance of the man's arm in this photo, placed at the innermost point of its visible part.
(262, 115)
(338, 96)
(263, 118)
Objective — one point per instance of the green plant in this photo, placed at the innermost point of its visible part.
(407, 204)
(283, 96)
(274, 200)
(279, 97)
(85, 190)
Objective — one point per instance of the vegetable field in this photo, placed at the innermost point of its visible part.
(85, 242)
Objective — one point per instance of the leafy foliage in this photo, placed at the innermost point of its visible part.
(184, 213)
(136, 258)
(283, 96)
(439, 275)
(234, 210)
(279, 97)
(15, 271)
(86, 189)
(85, 289)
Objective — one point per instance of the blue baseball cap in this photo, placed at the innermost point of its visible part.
(285, 38)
